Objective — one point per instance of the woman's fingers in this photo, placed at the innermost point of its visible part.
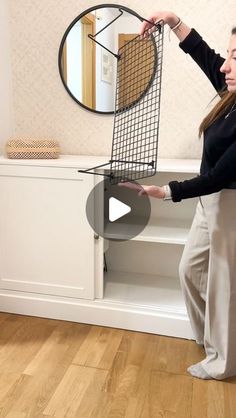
(144, 27)
(152, 191)
(147, 26)
(133, 186)
(130, 185)
(142, 192)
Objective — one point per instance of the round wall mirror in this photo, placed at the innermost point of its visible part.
(88, 56)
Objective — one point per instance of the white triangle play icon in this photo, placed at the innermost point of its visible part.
(117, 209)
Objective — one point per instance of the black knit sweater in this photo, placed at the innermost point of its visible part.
(218, 165)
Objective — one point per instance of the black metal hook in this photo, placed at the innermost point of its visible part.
(92, 37)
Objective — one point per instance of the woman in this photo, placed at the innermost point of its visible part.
(208, 264)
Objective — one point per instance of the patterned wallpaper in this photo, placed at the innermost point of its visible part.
(6, 116)
(42, 107)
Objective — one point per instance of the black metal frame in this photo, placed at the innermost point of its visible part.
(136, 120)
(110, 23)
(100, 6)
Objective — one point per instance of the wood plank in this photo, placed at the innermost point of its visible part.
(13, 395)
(78, 392)
(58, 349)
(135, 357)
(3, 317)
(7, 380)
(157, 398)
(135, 385)
(17, 415)
(30, 395)
(169, 396)
(213, 399)
(23, 338)
(99, 348)
(9, 326)
(174, 355)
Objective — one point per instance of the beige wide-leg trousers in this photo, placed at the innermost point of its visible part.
(208, 280)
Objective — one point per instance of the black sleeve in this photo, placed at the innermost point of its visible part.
(207, 59)
(213, 181)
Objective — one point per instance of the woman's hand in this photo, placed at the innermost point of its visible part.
(152, 191)
(180, 29)
(168, 18)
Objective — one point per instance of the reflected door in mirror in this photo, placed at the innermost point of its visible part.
(79, 61)
(136, 68)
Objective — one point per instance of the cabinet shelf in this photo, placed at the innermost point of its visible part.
(144, 291)
(162, 230)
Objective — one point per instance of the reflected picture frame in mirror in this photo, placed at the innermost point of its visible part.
(87, 67)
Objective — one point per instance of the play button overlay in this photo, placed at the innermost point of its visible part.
(117, 213)
(117, 209)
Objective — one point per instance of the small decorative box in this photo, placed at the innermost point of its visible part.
(32, 148)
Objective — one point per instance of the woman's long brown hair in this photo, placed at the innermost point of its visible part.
(227, 99)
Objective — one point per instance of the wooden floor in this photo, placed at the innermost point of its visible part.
(62, 369)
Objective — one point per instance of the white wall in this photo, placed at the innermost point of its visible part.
(74, 56)
(43, 108)
(105, 98)
(6, 119)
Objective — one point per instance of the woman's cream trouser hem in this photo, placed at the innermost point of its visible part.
(208, 280)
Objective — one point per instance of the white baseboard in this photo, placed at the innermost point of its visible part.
(97, 312)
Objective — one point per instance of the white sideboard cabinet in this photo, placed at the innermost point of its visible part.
(46, 243)
(52, 262)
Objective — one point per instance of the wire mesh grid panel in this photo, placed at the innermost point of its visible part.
(137, 108)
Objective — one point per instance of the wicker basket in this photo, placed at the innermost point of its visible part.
(32, 148)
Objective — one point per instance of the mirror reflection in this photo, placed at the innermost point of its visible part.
(88, 70)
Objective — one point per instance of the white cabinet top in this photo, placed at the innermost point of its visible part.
(74, 161)
(178, 165)
(89, 161)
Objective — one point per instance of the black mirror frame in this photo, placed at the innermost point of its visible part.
(100, 6)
